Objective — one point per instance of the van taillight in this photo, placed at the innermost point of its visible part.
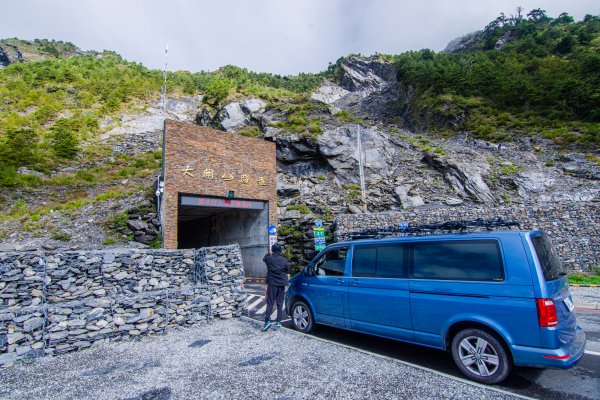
(546, 312)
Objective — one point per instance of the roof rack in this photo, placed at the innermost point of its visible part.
(405, 229)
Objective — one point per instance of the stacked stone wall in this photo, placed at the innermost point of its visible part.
(574, 228)
(56, 302)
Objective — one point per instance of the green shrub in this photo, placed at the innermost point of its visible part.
(85, 175)
(302, 208)
(351, 186)
(290, 230)
(354, 194)
(57, 234)
(119, 219)
(250, 131)
(344, 117)
(109, 195)
(156, 243)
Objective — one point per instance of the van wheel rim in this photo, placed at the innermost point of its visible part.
(300, 316)
(478, 356)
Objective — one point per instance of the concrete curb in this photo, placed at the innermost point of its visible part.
(584, 285)
(465, 381)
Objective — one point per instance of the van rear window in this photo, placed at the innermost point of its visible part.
(458, 260)
(548, 257)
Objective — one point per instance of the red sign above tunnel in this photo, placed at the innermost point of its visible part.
(218, 202)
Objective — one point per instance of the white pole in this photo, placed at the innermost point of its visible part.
(164, 88)
(363, 195)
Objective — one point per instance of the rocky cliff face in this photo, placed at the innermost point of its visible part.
(403, 169)
(16, 50)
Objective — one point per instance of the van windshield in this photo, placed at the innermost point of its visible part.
(548, 258)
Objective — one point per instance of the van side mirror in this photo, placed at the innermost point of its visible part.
(310, 270)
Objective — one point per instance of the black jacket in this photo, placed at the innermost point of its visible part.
(278, 268)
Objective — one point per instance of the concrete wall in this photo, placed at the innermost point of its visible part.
(574, 228)
(56, 302)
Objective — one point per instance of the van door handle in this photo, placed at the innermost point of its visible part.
(340, 281)
(355, 281)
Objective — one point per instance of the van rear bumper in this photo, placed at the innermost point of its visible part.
(563, 357)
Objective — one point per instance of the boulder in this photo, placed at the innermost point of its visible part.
(253, 105)
(465, 177)
(284, 190)
(406, 200)
(137, 225)
(452, 201)
(32, 324)
(329, 93)
(233, 117)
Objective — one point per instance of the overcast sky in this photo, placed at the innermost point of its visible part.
(278, 36)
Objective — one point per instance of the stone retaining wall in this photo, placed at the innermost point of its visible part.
(575, 228)
(57, 302)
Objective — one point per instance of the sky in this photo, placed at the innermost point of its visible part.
(277, 36)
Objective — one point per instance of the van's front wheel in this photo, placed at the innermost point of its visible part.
(302, 317)
(480, 356)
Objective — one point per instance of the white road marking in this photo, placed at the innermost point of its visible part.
(594, 353)
(255, 303)
(262, 310)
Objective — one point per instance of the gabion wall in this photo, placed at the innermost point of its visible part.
(574, 228)
(56, 302)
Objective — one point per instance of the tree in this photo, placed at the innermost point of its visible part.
(19, 147)
(538, 15)
(65, 143)
(564, 18)
(565, 46)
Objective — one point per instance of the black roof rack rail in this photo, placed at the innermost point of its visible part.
(437, 228)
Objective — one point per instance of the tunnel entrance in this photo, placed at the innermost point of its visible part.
(211, 221)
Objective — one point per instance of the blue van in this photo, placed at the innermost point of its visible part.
(494, 299)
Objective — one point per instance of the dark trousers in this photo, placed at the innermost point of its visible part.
(275, 295)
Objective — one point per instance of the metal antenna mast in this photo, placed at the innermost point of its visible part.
(164, 88)
(363, 195)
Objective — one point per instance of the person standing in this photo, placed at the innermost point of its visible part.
(278, 274)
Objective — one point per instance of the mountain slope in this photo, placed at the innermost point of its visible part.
(80, 134)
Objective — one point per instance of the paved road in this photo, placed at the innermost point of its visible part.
(579, 383)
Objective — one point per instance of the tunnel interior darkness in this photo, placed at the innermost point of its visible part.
(200, 226)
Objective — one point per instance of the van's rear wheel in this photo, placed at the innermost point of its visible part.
(480, 356)
(302, 317)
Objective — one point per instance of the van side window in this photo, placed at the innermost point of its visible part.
(461, 260)
(332, 263)
(548, 257)
(379, 261)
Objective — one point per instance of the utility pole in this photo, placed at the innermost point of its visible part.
(160, 184)
(363, 195)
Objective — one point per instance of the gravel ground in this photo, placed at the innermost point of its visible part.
(585, 295)
(228, 360)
